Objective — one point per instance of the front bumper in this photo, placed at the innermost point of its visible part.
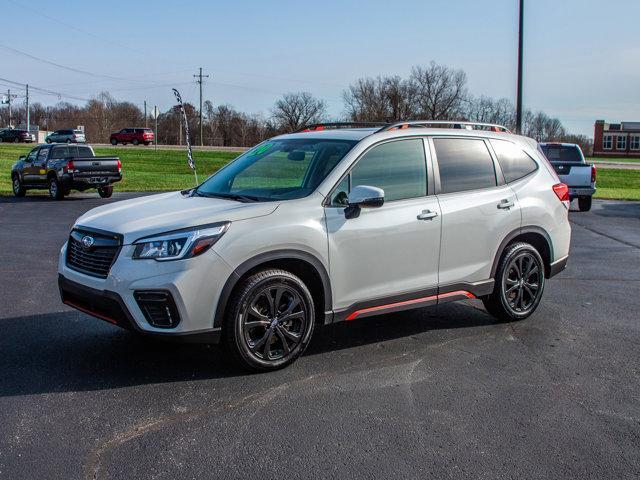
(194, 286)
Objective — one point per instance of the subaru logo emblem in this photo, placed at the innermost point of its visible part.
(87, 241)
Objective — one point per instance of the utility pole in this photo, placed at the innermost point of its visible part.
(9, 104)
(155, 137)
(519, 93)
(27, 105)
(145, 114)
(199, 76)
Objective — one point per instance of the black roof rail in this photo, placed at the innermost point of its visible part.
(317, 127)
(445, 124)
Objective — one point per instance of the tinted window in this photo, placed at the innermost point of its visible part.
(464, 164)
(398, 168)
(513, 161)
(84, 152)
(59, 152)
(32, 155)
(561, 153)
(42, 154)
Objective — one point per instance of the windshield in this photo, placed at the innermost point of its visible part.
(562, 153)
(277, 170)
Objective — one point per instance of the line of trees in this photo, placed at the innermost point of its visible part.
(430, 92)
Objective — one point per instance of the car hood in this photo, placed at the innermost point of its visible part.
(153, 214)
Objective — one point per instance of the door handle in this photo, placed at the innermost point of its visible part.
(427, 215)
(505, 204)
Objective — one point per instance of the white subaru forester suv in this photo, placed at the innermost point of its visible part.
(324, 225)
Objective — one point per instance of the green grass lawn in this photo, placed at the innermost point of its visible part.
(146, 170)
(618, 160)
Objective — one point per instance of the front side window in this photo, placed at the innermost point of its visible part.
(464, 164)
(32, 155)
(621, 143)
(42, 154)
(277, 170)
(607, 142)
(514, 162)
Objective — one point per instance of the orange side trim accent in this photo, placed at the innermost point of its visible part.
(355, 314)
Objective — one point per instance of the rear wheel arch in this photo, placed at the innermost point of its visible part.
(536, 237)
(302, 264)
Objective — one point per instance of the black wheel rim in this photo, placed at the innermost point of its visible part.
(16, 185)
(53, 188)
(522, 282)
(274, 320)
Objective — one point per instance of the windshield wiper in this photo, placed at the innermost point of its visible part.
(231, 196)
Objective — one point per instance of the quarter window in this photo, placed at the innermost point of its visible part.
(464, 164)
(514, 162)
(621, 142)
(399, 168)
(607, 142)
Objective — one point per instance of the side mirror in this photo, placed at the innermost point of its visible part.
(22, 158)
(363, 196)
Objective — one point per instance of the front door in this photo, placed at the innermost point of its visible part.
(387, 255)
(30, 170)
(478, 209)
(40, 165)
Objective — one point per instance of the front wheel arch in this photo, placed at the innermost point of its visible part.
(302, 264)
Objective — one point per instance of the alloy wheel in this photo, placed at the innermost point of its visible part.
(273, 322)
(522, 282)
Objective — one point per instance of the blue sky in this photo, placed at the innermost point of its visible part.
(582, 58)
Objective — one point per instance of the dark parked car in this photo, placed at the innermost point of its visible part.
(132, 135)
(66, 136)
(15, 136)
(61, 168)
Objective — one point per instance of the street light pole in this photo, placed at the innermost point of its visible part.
(519, 92)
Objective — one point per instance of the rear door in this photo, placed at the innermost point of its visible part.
(478, 209)
(387, 255)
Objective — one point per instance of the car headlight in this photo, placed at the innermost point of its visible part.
(178, 244)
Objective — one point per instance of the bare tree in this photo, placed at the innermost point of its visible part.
(379, 99)
(489, 110)
(294, 110)
(440, 92)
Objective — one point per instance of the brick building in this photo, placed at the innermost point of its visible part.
(616, 139)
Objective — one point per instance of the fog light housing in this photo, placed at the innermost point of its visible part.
(158, 308)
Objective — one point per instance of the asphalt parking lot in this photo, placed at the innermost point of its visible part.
(435, 393)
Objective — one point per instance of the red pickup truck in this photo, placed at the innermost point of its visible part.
(132, 135)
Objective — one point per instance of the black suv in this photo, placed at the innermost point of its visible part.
(15, 135)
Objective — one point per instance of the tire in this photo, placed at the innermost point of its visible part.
(136, 141)
(146, 144)
(68, 140)
(48, 140)
(56, 191)
(0, 139)
(516, 295)
(16, 140)
(18, 188)
(273, 340)
(113, 141)
(105, 192)
(584, 204)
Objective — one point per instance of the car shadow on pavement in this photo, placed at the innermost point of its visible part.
(69, 351)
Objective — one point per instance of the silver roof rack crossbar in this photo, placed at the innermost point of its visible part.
(316, 127)
(445, 124)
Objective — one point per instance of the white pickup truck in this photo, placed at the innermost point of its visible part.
(569, 163)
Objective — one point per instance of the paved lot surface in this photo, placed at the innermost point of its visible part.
(440, 393)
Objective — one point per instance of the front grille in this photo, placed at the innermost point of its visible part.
(158, 308)
(96, 259)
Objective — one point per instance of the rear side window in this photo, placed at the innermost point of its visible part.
(514, 162)
(60, 152)
(399, 168)
(464, 164)
(84, 152)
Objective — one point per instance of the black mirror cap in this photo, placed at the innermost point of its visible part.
(353, 210)
(22, 158)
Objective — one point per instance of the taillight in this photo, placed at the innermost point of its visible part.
(69, 167)
(119, 166)
(593, 174)
(562, 192)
